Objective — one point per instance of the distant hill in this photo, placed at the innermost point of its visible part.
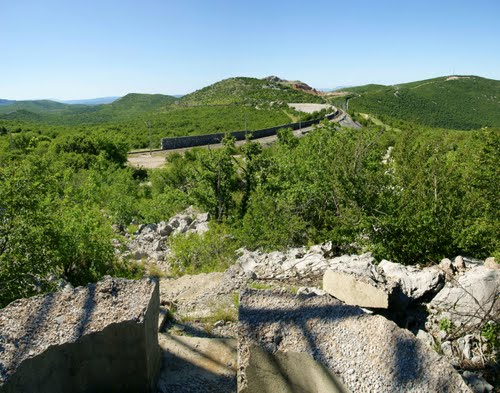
(457, 102)
(6, 102)
(51, 112)
(252, 91)
(136, 102)
(90, 101)
(35, 106)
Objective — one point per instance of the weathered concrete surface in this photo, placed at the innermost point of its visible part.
(98, 338)
(353, 291)
(194, 364)
(367, 352)
(285, 372)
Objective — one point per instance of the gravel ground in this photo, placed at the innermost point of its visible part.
(368, 352)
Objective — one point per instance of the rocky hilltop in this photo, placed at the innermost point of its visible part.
(297, 85)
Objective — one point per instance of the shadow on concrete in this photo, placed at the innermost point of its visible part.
(253, 319)
(189, 329)
(194, 364)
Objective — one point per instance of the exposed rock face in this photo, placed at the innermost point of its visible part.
(102, 337)
(470, 297)
(150, 240)
(294, 263)
(367, 352)
(297, 85)
(491, 263)
(415, 284)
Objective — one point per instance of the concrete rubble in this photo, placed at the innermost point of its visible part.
(102, 337)
(367, 353)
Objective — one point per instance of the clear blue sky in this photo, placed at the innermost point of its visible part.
(81, 49)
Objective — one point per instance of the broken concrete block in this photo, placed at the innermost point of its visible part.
(98, 338)
(355, 291)
(365, 352)
(284, 372)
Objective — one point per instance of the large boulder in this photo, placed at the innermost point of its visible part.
(471, 298)
(98, 338)
(365, 352)
(414, 283)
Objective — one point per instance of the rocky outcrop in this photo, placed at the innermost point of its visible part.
(470, 298)
(150, 241)
(414, 284)
(298, 263)
(297, 85)
(366, 352)
(350, 278)
(102, 337)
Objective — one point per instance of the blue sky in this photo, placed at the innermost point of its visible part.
(93, 48)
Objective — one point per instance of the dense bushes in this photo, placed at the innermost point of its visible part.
(51, 226)
(433, 196)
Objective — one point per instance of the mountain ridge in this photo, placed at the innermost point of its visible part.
(454, 101)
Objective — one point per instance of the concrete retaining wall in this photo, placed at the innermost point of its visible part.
(208, 139)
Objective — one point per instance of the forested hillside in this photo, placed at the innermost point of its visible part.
(456, 102)
(433, 196)
(230, 105)
(409, 192)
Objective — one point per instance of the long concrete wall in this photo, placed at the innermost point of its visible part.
(208, 139)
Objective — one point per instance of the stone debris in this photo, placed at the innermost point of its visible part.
(149, 242)
(367, 352)
(415, 284)
(477, 383)
(471, 297)
(110, 324)
(491, 263)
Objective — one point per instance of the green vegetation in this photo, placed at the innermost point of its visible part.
(62, 188)
(193, 253)
(247, 91)
(464, 103)
(445, 325)
(491, 333)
